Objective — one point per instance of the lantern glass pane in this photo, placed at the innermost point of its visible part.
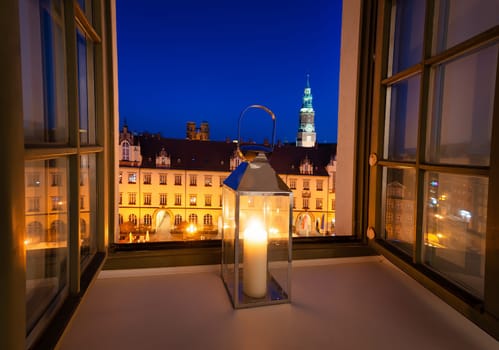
(228, 241)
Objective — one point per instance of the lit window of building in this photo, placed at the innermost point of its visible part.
(57, 203)
(318, 203)
(305, 203)
(193, 180)
(208, 220)
(192, 199)
(178, 180)
(207, 200)
(132, 178)
(147, 220)
(133, 219)
(33, 179)
(132, 197)
(178, 199)
(56, 179)
(193, 218)
(207, 180)
(177, 219)
(306, 184)
(163, 199)
(319, 184)
(163, 179)
(33, 204)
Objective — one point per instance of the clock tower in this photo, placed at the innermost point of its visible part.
(306, 128)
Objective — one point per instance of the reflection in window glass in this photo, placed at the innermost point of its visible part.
(461, 110)
(456, 21)
(407, 35)
(46, 239)
(402, 120)
(399, 206)
(88, 191)
(455, 215)
(85, 89)
(44, 81)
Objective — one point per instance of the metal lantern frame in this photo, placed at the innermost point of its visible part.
(257, 229)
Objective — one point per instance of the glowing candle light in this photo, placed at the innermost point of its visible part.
(255, 260)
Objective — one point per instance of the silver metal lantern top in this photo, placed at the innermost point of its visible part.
(256, 176)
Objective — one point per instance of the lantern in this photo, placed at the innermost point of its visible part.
(256, 234)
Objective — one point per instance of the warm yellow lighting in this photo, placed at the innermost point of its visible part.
(255, 260)
(130, 238)
(273, 231)
(438, 216)
(191, 229)
(433, 240)
(26, 242)
(147, 236)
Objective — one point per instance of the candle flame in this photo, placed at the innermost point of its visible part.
(255, 231)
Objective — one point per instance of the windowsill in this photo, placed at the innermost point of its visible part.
(331, 299)
(208, 252)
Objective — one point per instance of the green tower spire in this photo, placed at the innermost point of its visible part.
(307, 95)
(306, 136)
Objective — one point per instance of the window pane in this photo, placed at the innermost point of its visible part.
(399, 203)
(455, 216)
(456, 20)
(406, 35)
(85, 90)
(88, 192)
(402, 120)
(44, 80)
(46, 238)
(460, 124)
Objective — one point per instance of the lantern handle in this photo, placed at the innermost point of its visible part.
(255, 148)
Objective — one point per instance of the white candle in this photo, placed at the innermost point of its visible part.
(255, 261)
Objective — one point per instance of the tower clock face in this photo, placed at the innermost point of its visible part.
(308, 128)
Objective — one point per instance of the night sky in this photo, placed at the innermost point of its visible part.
(199, 60)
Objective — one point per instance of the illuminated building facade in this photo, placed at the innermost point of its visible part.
(171, 189)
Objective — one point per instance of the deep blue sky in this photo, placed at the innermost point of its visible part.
(200, 60)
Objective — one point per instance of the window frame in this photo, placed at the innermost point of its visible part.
(373, 132)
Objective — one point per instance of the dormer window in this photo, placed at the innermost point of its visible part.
(125, 150)
(235, 160)
(162, 159)
(306, 167)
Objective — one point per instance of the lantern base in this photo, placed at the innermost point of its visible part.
(275, 294)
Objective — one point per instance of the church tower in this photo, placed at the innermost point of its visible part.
(306, 128)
